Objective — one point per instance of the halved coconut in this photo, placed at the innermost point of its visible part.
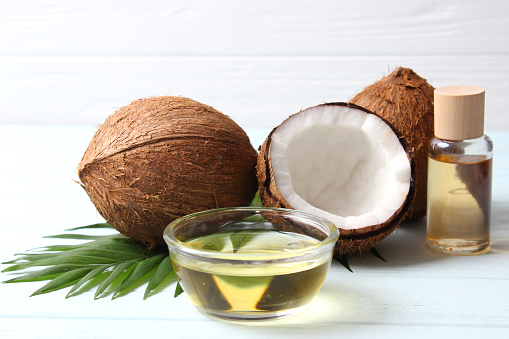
(341, 162)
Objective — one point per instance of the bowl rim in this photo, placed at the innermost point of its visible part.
(178, 247)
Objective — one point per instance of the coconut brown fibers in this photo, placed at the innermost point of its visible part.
(405, 100)
(161, 158)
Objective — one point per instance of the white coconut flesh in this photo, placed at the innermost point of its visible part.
(340, 163)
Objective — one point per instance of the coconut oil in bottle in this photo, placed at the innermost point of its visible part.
(459, 174)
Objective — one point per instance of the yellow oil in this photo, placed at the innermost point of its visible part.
(459, 205)
(257, 291)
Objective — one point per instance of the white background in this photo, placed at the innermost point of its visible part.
(76, 62)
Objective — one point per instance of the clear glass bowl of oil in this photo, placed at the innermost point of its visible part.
(251, 263)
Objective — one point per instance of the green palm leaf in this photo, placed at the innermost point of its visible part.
(240, 238)
(113, 261)
(142, 268)
(178, 290)
(75, 236)
(63, 280)
(163, 270)
(45, 274)
(99, 225)
(113, 275)
(87, 278)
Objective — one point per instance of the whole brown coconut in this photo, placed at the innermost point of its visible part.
(161, 158)
(344, 163)
(405, 100)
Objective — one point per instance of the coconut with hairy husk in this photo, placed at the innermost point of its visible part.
(344, 163)
(161, 158)
(405, 100)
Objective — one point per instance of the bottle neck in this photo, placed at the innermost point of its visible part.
(477, 149)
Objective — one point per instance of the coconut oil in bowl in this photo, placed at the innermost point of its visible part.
(251, 263)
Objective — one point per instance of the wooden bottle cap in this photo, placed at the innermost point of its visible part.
(459, 112)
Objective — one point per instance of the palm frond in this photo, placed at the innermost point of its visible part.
(113, 261)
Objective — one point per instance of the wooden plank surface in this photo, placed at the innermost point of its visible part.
(416, 293)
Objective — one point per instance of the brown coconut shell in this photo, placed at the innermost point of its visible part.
(350, 241)
(161, 158)
(405, 100)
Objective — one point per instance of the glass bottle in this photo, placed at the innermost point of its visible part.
(459, 174)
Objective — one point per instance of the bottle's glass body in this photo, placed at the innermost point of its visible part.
(459, 195)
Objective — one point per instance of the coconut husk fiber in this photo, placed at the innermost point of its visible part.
(405, 100)
(161, 158)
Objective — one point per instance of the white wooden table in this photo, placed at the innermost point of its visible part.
(416, 294)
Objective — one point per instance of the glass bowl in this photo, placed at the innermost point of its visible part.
(251, 263)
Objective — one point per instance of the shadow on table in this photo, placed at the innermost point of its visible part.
(500, 214)
(332, 310)
(499, 227)
(406, 246)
